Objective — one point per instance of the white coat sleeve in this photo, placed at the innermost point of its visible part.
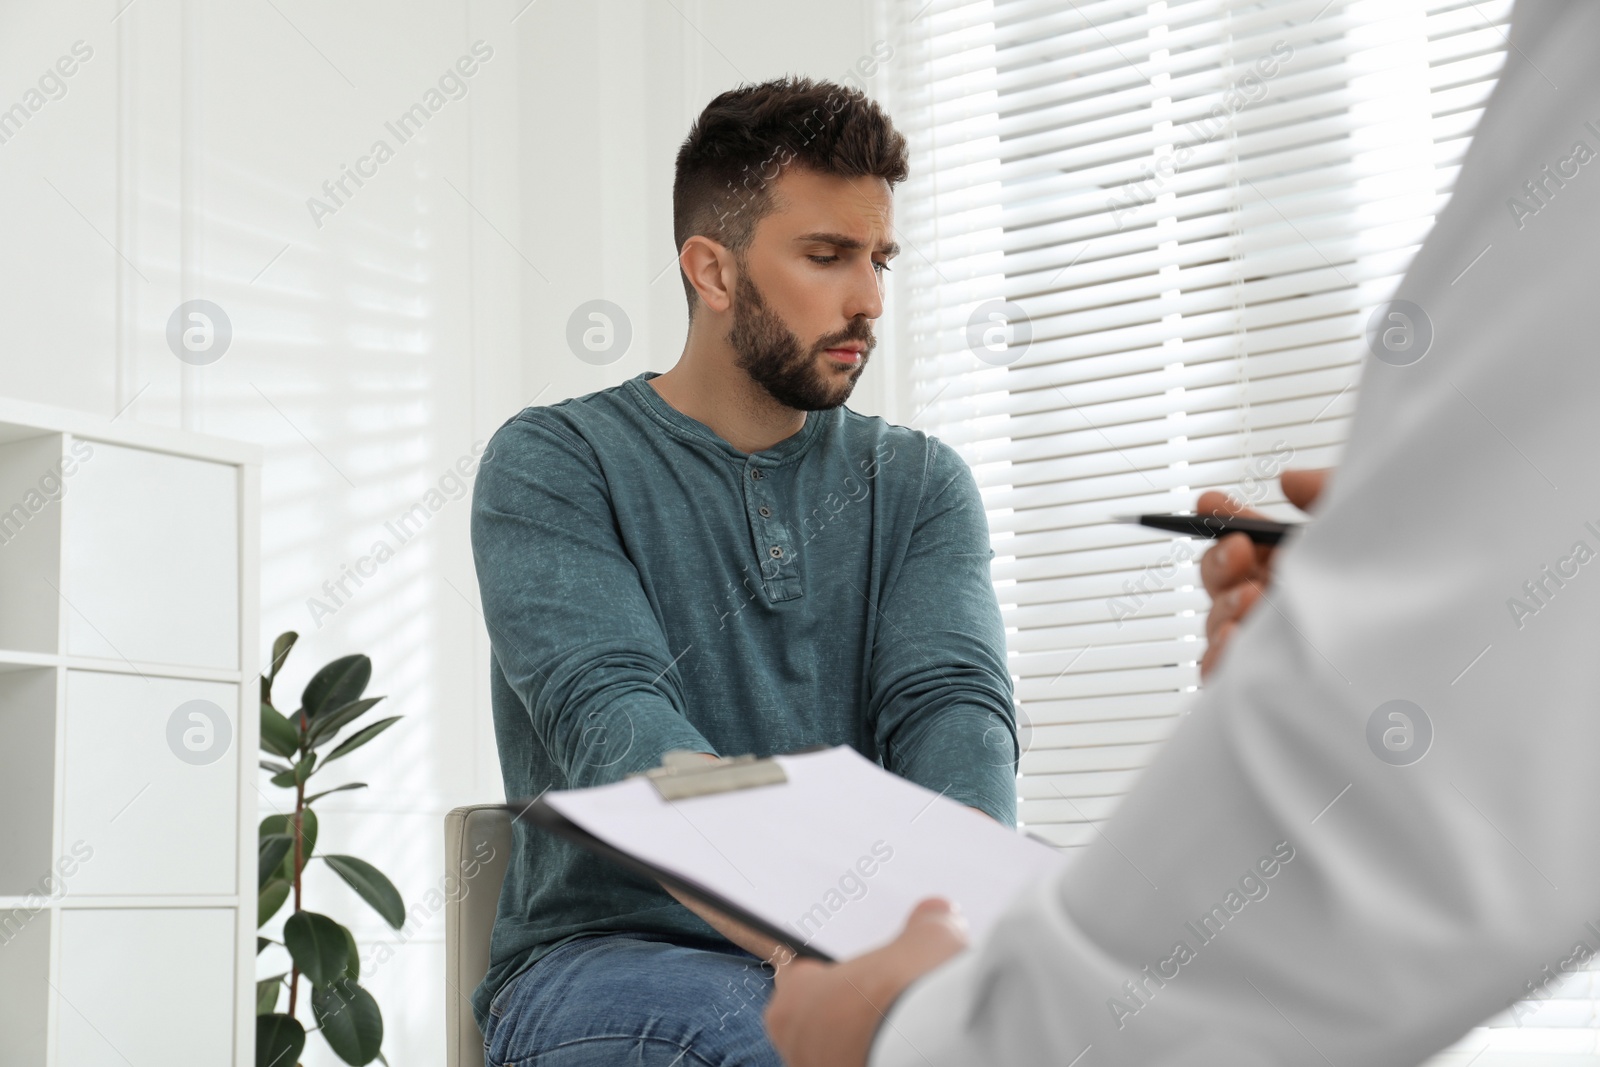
(1454, 565)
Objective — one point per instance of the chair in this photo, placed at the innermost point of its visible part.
(477, 847)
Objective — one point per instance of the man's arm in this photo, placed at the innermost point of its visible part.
(1302, 877)
(940, 702)
(568, 620)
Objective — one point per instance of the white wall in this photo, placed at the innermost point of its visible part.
(372, 351)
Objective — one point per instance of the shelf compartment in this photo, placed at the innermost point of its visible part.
(169, 1000)
(151, 788)
(150, 559)
(24, 985)
(32, 487)
(27, 779)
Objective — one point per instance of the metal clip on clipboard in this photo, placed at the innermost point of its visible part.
(689, 774)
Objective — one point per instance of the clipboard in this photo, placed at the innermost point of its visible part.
(681, 826)
(542, 815)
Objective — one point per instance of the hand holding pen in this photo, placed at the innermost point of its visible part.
(1235, 569)
(1239, 566)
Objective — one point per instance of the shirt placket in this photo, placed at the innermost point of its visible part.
(776, 559)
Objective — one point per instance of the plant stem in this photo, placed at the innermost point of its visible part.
(299, 863)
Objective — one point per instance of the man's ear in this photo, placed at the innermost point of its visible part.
(710, 269)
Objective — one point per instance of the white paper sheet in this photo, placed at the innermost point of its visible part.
(837, 856)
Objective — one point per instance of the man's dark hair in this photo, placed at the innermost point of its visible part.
(744, 139)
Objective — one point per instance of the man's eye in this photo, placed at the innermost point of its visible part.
(881, 267)
(823, 259)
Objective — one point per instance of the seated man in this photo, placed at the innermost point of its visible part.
(724, 559)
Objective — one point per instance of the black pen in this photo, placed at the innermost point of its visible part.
(1261, 531)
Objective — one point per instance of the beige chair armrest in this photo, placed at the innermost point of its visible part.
(477, 848)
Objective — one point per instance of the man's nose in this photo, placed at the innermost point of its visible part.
(865, 298)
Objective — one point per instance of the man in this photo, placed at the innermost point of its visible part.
(1375, 828)
(724, 559)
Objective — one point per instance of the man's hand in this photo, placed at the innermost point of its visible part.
(826, 1015)
(1235, 570)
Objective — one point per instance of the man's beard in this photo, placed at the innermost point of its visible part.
(772, 355)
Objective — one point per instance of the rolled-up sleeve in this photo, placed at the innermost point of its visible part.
(569, 624)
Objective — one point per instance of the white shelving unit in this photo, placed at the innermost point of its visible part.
(128, 738)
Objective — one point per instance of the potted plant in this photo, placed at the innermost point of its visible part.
(321, 950)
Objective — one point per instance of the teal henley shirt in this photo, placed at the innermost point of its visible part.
(647, 586)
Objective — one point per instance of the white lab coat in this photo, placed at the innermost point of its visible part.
(1428, 896)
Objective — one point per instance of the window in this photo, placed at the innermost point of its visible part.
(1142, 242)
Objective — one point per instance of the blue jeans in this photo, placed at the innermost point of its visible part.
(633, 1000)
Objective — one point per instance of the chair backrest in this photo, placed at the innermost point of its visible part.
(477, 848)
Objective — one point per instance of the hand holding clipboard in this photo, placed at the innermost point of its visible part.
(825, 852)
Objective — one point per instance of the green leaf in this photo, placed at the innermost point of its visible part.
(274, 766)
(271, 898)
(278, 734)
(308, 833)
(335, 789)
(353, 970)
(279, 1040)
(273, 849)
(297, 774)
(284, 824)
(374, 888)
(267, 994)
(356, 740)
(350, 1020)
(323, 727)
(262, 943)
(280, 651)
(336, 685)
(318, 945)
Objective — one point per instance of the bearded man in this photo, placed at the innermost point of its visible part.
(723, 558)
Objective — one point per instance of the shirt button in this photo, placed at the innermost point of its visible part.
(766, 513)
(775, 552)
(756, 475)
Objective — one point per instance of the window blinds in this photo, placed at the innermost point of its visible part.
(1142, 242)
